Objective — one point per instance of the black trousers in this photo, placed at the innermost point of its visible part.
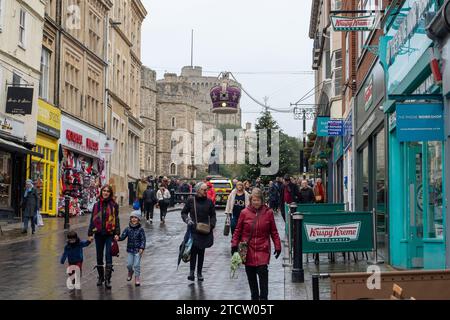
(260, 292)
(103, 245)
(197, 257)
(148, 209)
(163, 209)
(283, 211)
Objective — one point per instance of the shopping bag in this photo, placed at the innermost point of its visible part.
(39, 220)
(226, 228)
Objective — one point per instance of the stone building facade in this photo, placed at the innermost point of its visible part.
(148, 118)
(176, 110)
(124, 90)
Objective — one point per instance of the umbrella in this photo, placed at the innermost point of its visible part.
(185, 248)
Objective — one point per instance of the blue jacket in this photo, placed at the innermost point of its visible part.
(136, 238)
(74, 252)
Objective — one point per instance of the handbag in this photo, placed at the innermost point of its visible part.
(40, 221)
(114, 248)
(200, 227)
(243, 245)
(226, 228)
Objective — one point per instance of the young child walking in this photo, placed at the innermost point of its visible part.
(73, 251)
(135, 246)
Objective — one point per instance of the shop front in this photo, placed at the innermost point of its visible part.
(338, 152)
(416, 141)
(82, 169)
(13, 166)
(347, 145)
(44, 171)
(370, 140)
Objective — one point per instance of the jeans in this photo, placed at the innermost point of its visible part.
(102, 241)
(199, 254)
(253, 273)
(149, 207)
(33, 223)
(163, 209)
(134, 263)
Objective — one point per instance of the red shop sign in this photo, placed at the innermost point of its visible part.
(74, 137)
(91, 144)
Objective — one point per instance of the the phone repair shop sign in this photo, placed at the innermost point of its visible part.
(19, 100)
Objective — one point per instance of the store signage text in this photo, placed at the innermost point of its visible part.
(19, 100)
(333, 233)
(78, 139)
(346, 24)
(335, 128)
(420, 122)
(407, 28)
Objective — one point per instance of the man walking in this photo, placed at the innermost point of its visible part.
(289, 194)
(141, 187)
(306, 193)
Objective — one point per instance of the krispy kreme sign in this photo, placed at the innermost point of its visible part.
(365, 23)
(333, 233)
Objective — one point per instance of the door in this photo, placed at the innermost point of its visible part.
(414, 204)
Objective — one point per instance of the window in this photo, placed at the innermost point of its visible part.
(435, 223)
(5, 179)
(173, 169)
(174, 122)
(22, 28)
(16, 79)
(1, 14)
(362, 36)
(44, 83)
(173, 144)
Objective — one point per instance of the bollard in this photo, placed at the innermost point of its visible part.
(298, 274)
(315, 284)
(66, 212)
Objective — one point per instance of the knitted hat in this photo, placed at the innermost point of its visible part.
(136, 214)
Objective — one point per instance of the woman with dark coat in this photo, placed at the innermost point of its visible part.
(105, 225)
(30, 206)
(199, 209)
(256, 226)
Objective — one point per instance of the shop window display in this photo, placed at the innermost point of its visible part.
(5, 180)
(81, 179)
(435, 199)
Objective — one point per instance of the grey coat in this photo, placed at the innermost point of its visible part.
(30, 204)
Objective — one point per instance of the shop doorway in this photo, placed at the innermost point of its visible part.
(414, 204)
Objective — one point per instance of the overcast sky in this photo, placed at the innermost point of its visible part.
(241, 36)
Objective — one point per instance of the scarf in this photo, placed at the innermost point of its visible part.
(110, 216)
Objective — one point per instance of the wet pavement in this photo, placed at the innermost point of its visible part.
(30, 268)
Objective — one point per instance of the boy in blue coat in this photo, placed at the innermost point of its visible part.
(135, 246)
(73, 251)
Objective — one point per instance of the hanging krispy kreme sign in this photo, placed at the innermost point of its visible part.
(365, 23)
(333, 233)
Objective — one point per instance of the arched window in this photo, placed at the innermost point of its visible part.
(173, 144)
(174, 122)
(173, 169)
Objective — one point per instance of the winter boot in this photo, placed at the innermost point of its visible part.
(137, 281)
(191, 276)
(101, 275)
(200, 277)
(108, 274)
(130, 275)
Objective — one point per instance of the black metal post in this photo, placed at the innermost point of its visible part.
(66, 212)
(304, 145)
(315, 287)
(298, 274)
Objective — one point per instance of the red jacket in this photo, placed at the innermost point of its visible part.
(259, 250)
(211, 194)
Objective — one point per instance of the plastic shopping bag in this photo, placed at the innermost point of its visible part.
(39, 220)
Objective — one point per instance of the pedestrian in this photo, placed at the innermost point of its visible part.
(319, 191)
(104, 227)
(135, 247)
(238, 200)
(289, 194)
(247, 186)
(150, 200)
(73, 251)
(256, 226)
(163, 196)
(141, 187)
(30, 207)
(211, 192)
(199, 209)
(306, 194)
(274, 196)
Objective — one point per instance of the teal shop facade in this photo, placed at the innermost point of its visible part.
(416, 161)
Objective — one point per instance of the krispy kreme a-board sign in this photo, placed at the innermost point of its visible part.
(348, 24)
(333, 233)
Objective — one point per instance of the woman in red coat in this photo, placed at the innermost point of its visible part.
(211, 192)
(256, 225)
